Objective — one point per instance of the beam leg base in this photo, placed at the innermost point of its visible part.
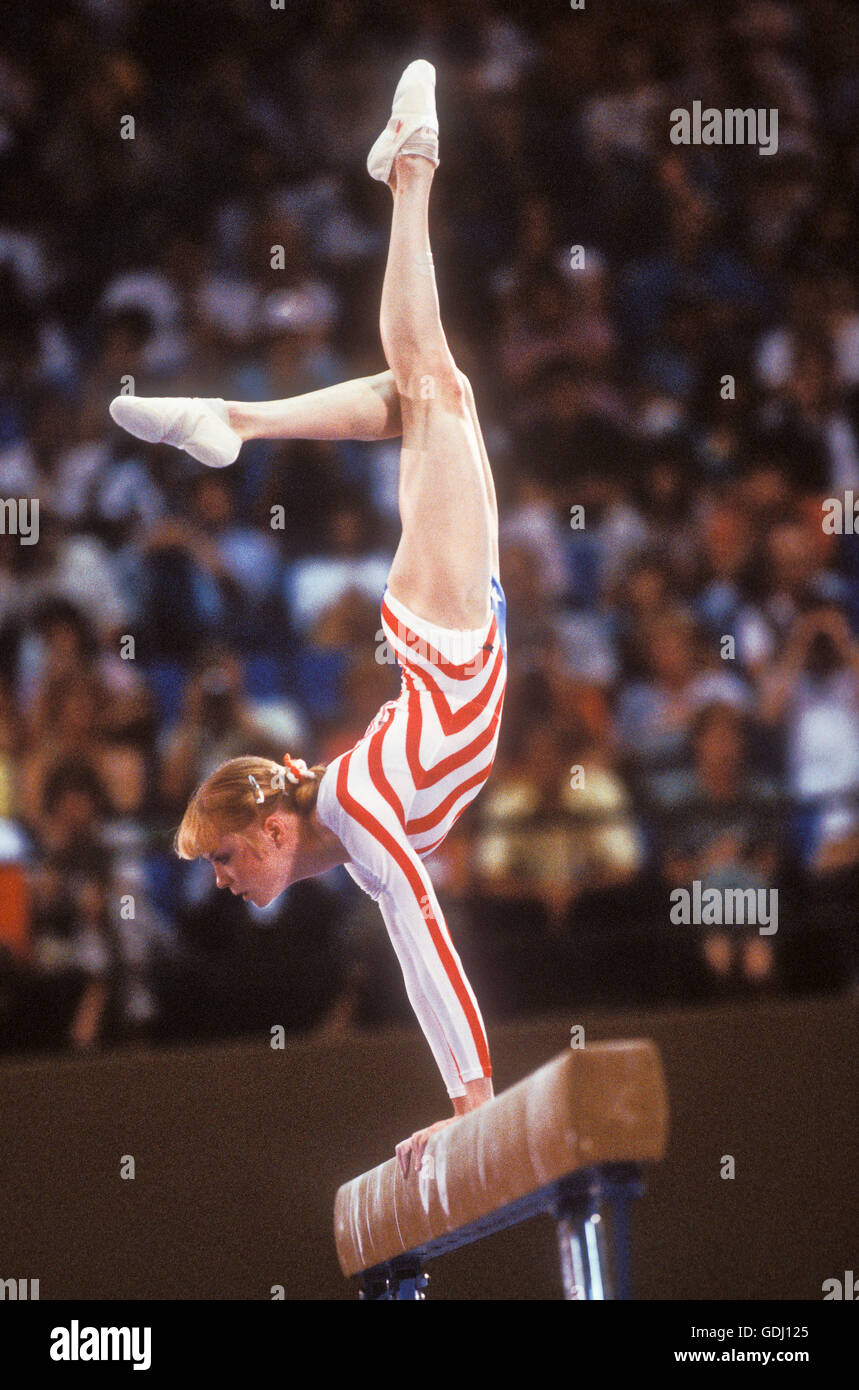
(584, 1237)
(403, 1279)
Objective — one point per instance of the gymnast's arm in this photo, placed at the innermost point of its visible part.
(384, 862)
(435, 983)
(476, 1094)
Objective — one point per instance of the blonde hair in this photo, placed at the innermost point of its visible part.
(239, 796)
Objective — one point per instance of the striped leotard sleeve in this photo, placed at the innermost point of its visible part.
(387, 867)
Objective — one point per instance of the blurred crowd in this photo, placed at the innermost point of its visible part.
(663, 342)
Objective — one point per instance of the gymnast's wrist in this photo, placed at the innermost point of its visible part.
(477, 1093)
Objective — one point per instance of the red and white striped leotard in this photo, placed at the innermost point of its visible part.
(392, 799)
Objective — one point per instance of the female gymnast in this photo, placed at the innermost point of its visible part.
(384, 805)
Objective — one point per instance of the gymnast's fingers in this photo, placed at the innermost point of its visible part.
(404, 1149)
(419, 1141)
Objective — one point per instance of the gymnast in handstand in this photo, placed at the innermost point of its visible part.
(388, 802)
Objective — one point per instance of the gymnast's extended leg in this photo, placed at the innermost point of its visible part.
(448, 548)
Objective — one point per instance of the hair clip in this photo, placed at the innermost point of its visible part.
(295, 769)
(260, 794)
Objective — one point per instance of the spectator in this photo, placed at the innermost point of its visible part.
(553, 830)
(717, 827)
(813, 693)
(219, 721)
(74, 951)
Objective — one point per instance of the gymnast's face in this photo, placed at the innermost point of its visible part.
(257, 867)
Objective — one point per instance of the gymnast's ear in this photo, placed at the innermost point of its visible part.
(273, 826)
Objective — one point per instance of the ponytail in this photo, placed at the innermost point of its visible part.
(240, 795)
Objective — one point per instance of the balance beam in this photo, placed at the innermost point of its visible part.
(566, 1139)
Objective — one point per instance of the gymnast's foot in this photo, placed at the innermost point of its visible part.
(413, 127)
(200, 427)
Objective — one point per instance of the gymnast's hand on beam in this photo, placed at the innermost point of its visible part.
(413, 1148)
